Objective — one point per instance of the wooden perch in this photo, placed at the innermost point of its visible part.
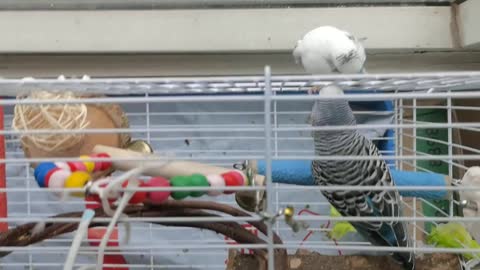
(306, 260)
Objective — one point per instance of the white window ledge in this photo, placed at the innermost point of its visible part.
(112, 65)
(224, 30)
(469, 23)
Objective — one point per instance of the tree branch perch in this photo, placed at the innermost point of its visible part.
(21, 235)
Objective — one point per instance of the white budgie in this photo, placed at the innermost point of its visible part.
(471, 179)
(367, 172)
(327, 50)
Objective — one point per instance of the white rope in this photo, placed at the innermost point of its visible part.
(87, 217)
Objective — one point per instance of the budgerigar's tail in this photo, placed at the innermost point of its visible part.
(391, 235)
(407, 262)
(407, 259)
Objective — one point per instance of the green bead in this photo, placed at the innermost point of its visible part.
(198, 180)
(179, 181)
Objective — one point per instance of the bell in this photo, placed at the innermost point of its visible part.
(251, 200)
(140, 146)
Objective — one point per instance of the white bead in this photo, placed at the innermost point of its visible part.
(62, 165)
(57, 179)
(215, 181)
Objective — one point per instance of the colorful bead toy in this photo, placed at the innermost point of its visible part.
(139, 196)
(102, 165)
(41, 171)
(180, 181)
(77, 180)
(215, 181)
(48, 176)
(69, 174)
(77, 166)
(239, 177)
(62, 165)
(230, 179)
(158, 196)
(89, 165)
(92, 201)
(57, 178)
(77, 174)
(198, 180)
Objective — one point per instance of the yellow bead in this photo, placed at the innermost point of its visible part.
(90, 165)
(77, 179)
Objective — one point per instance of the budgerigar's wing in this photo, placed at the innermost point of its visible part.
(358, 203)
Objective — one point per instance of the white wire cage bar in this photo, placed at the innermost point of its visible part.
(225, 120)
(415, 82)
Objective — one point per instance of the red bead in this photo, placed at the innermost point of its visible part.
(72, 166)
(96, 234)
(114, 259)
(98, 164)
(105, 164)
(158, 196)
(230, 181)
(92, 201)
(239, 176)
(76, 166)
(47, 176)
(139, 196)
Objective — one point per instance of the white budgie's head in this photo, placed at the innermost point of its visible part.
(328, 50)
(331, 112)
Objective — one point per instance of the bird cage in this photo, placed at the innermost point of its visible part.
(176, 130)
(196, 141)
